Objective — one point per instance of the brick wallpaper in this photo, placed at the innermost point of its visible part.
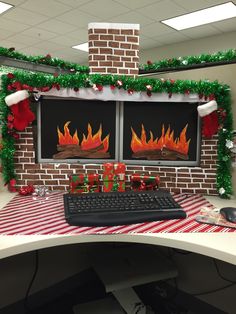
(113, 50)
(176, 179)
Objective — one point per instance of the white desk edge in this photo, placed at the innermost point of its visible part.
(221, 246)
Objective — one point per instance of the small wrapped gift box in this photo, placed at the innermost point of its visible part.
(144, 182)
(113, 177)
(82, 183)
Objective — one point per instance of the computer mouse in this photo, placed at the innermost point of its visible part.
(229, 213)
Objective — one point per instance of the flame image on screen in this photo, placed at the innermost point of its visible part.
(166, 142)
(89, 142)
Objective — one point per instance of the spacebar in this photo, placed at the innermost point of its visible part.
(114, 219)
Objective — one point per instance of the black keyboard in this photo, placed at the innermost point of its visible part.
(120, 208)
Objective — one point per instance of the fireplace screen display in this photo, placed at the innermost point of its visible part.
(159, 133)
(77, 129)
(163, 133)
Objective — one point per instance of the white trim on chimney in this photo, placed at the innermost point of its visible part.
(113, 26)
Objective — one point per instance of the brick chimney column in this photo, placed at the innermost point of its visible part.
(114, 48)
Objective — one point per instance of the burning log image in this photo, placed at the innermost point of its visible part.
(92, 146)
(166, 147)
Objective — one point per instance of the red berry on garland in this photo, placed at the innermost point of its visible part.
(112, 87)
(10, 75)
(11, 49)
(48, 56)
(15, 135)
(172, 81)
(200, 96)
(55, 74)
(130, 91)
(76, 89)
(12, 185)
(187, 92)
(99, 87)
(10, 118)
(212, 97)
(170, 95)
(10, 87)
(149, 62)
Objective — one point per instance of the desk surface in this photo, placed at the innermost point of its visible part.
(218, 245)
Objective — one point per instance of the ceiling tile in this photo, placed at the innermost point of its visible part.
(191, 6)
(226, 25)
(14, 2)
(173, 37)
(201, 31)
(162, 10)
(80, 35)
(104, 9)
(132, 17)
(28, 17)
(33, 51)
(77, 18)
(12, 26)
(57, 27)
(155, 29)
(135, 4)
(23, 39)
(39, 33)
(67, 41)
(73, 3)
(9, 44)
(49, 46)
(49, 8)
(5, 33)
(148, 43)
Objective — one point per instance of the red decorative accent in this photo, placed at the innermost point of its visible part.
(23, 116)
(212, 97)
(76, 89)
(26, 190)
(12, 185)
(55, 74)
(210, 124)
(10, 75)
(149, 62)
(112, 87)
(130, 91)
(48, 56)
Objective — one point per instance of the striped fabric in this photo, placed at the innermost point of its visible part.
(24, 216)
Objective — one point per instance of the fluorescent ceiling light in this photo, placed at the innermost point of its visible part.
(4, 7)
(83, 47)
(201, 17)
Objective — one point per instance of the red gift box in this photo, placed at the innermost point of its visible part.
(113, 177)
(82, 183)
(144, 182)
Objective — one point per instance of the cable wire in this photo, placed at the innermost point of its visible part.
(220, 275)
(26, 306)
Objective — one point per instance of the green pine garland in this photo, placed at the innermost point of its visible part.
(46, 60)
(180, 62)
(204, 88)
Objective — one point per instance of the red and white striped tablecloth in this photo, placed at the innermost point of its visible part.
(24, 216)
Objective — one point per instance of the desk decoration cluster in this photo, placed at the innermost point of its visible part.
(112, 180)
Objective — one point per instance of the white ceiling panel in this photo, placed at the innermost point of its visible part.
(12, 26)
(162, 10)
(201, 31)
(155, 29)
(191, 5)
(77, 18)
(5, 33)
(39, 33)
(23, 39)
(80, 35)
(73, 3)
(132, 17)
(148, 43)
(12, 44)
(104, 9)
(171, 38)
(57, 26)
(135, 4)
(49, 46)
(226, 26)
(49, 8)
(27, 17)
